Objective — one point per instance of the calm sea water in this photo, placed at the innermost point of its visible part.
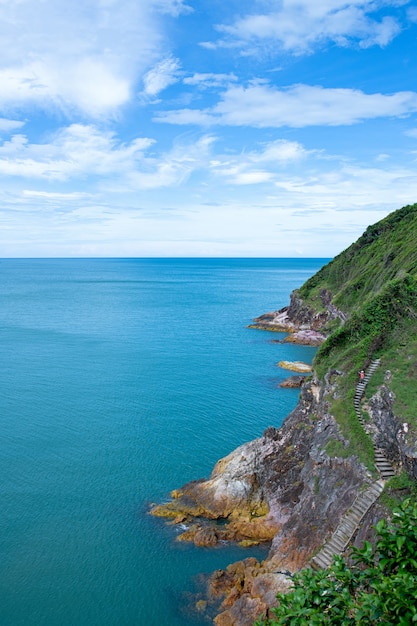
(120, 380)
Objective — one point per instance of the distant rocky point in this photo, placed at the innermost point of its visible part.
(295, 366)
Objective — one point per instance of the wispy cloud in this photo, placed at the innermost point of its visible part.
(173, 7)
(297, 106)
(258, 166)
(54, 195)
(76, 151)
(81, 151)
(165, 73)
(174, 167)
(7, 126)
(309, 101)
(73, 58)
(209, 80)
(299, 26)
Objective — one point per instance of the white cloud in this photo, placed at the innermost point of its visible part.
(208, 80)
(300, 25)
(173, 7)
(187, 116)
(351, 187)
(7, 126)
(173, 167)
(243, 169)
(279, 151)
(85, 153)
(76, 57)
(165, 73)
(54, 195)
(76, 151)
(87, 85)
(297, 106)
(278, 198)
(412, 14)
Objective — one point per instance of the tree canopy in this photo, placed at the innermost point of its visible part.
(380, 587)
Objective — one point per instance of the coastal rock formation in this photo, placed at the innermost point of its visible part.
(295, 366)
(305, 338)
(245, 589)
(292, 382)
(301, 320)
(282, 487)
(292, 486)
(391, 435)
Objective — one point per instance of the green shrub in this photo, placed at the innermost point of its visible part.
(379, 588)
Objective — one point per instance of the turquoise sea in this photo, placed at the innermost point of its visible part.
(120, 380)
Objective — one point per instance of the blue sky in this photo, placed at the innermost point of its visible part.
(203, 127)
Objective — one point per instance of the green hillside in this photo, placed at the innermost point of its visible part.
(386, 251)
(374, 283)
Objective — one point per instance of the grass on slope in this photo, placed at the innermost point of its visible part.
(374, 282)
(385, 252)
(401, 361)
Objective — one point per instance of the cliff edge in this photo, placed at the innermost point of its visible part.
(294, 485)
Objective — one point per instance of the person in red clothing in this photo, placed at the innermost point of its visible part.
(361, 374)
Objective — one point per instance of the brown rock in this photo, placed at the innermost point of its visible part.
(243, 612)
(267, 586)
(295, 366)
(292, 382)
(201, 606)
(206, 537)
(305, 338)
(282, 486)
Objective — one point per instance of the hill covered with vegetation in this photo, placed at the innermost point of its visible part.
(373, 285)
(297, 484)
(374, 282)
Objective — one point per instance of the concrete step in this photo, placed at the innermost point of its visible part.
(338, 543)
(383, 463)
(357, 510)
(350, 522)
(387, 475)
(347, 526)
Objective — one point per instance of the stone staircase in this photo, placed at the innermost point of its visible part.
(351, 520)
(382, 464)
(348, 526)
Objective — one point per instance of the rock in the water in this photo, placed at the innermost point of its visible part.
(292, 382)
(295, 366)
(284, 488)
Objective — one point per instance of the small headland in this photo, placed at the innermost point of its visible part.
(346, 454)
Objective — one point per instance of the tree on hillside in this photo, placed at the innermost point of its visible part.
(379, 588)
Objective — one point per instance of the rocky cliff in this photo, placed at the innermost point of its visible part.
(283, 488)
(303, 323)
(292, 486)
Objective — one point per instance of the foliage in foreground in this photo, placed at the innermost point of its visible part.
(379, 588)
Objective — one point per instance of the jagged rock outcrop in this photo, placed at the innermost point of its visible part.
(293, 485)
(282, 487)
(305, 338)
(389, 434)
(292, 382)
(295, 366)
(300, 320)
(245, 589)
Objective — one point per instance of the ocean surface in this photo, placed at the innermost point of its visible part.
(120, 380)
